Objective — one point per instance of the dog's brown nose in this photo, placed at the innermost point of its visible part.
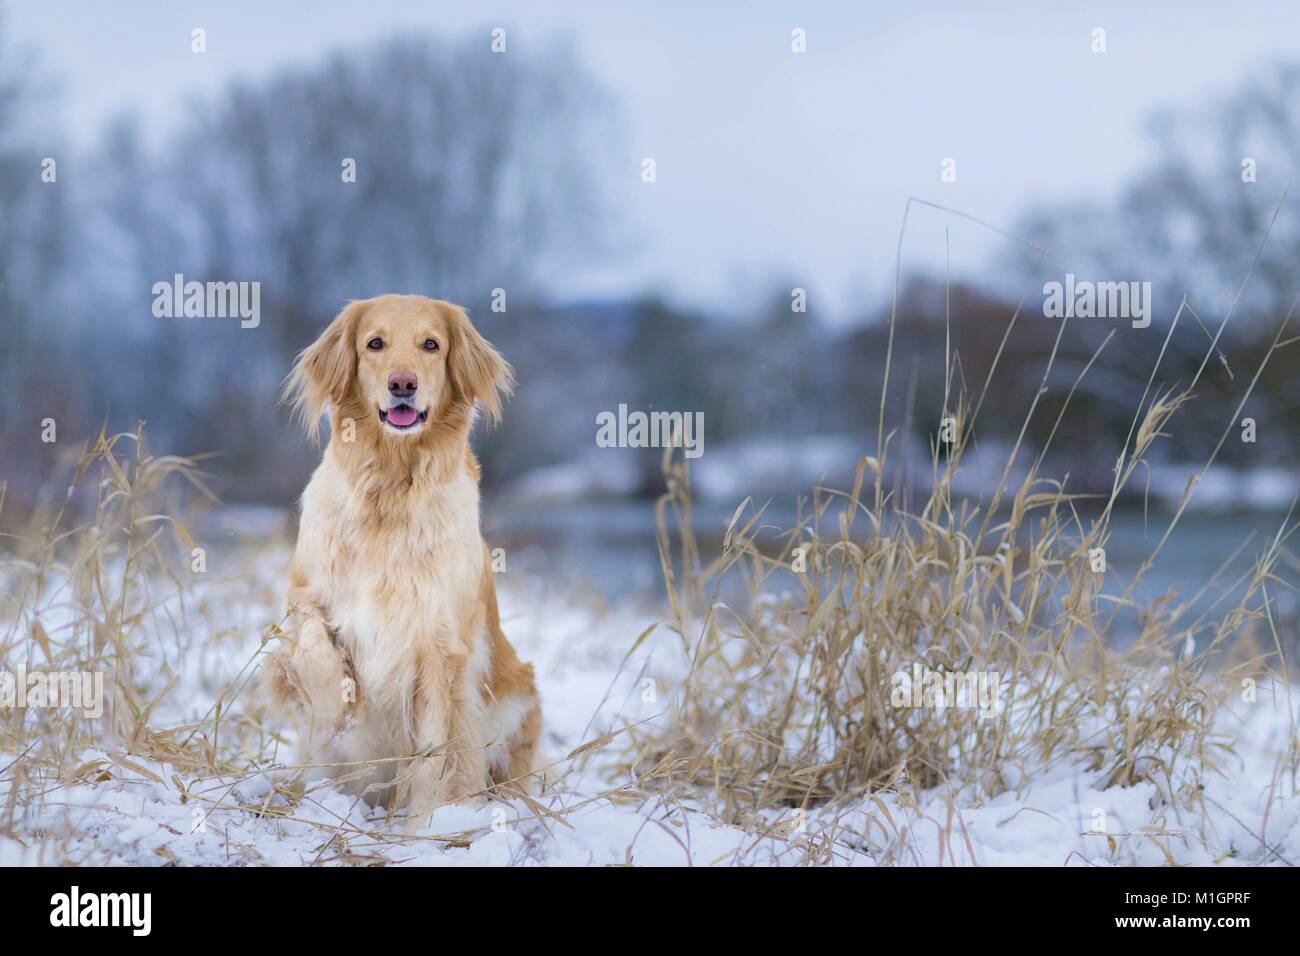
(402, 384)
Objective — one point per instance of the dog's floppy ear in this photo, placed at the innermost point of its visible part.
(478, 372)
(325, 371)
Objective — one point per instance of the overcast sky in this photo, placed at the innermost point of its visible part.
(770, 164)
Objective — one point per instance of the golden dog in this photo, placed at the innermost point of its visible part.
(394, 666)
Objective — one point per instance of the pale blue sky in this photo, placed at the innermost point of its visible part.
(769, 163)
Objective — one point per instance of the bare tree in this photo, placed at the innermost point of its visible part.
(424, 166)
(34, 242)
(1193, 221)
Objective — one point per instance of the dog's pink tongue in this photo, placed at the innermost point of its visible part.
(403, 415)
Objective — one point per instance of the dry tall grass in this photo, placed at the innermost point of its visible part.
(90, 586)
(791, 698)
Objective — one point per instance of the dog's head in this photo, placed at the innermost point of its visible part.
(407, 363)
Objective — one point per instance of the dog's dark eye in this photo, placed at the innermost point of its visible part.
(431, 345)
(375, 344)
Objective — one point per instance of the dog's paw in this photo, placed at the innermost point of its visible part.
(348, 694)
(325, 675)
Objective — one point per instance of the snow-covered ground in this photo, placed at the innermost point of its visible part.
(125, 809)
(787, 466)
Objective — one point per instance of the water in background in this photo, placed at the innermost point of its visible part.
(610, 547)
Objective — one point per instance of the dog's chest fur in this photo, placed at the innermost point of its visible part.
(402, 563)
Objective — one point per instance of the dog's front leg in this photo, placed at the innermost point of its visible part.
(327, 678)
(313, 677)
(455, 767)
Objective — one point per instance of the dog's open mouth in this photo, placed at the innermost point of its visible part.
(401, 417)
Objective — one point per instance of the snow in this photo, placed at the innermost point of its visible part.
(593, 475)
(789, 465)
(1225, 489)
(140, 812)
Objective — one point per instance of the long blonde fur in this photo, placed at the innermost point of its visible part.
(395, 652)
